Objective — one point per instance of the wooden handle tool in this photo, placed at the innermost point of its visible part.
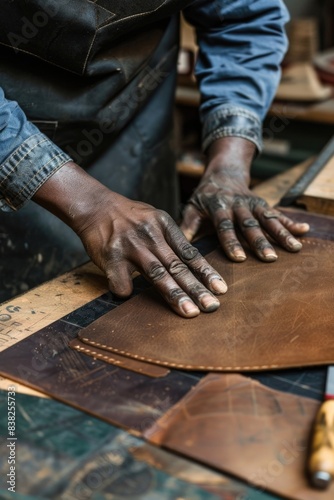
(321, 460)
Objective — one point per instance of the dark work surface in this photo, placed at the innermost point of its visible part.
(47, 351)
(74, 449)
(64, 454)
(45, 361)
(126, 399)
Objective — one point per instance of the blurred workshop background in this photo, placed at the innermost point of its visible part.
(301, 119)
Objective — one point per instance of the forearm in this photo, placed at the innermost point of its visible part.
(72, 195)
(231, 157)
(241, 46)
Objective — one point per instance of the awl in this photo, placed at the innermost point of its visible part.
(321, 460)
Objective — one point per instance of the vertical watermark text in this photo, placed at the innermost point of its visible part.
(11, 438)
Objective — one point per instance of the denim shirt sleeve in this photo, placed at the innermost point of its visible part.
(27, 157)
(241, 46)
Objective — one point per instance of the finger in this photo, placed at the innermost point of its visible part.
(228, 238)
(196, 290)
(155, 272)
(191, 221)
(191, 257)
(225, 230)
(226, 234)
(252, 232)
(276, 225)
(297, 228)
(119, 279)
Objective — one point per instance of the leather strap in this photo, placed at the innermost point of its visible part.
(117, 360)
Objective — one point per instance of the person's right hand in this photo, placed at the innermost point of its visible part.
(122, 236)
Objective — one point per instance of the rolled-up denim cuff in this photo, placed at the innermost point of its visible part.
(26, 170)
(228, 121)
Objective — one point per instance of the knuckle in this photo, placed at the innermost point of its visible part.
(146, 230)
(240, 201)
(176, 268)
(232, 245)
(197, 290)
(176, 294)
(206, 272)
(115, 251)
(156, 272)
(250, 223)
(163, 217)
(188, 252)
(261, 243)
(225, 225)
(256, 202)
(286, 221)
(283, 233)
(270, 214)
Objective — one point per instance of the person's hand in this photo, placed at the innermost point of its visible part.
(224, 198)
(122, 236)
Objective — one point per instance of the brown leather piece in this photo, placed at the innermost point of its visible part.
(133, 365)
(239, 426)
(273, 316)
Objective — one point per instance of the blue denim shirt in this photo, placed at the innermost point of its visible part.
(241, 46)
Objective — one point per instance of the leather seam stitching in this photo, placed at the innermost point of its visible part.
(175, 365)
(191, 367)
(90, 351)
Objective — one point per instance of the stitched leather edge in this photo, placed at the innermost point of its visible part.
(203, 367)
(142, 370)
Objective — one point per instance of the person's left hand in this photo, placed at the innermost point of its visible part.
(224, 198)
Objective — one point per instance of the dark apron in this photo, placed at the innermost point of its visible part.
(98, 78)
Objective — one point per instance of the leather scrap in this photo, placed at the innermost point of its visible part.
(148, 369)
(237, 425)
(44, 362)
(273, 316)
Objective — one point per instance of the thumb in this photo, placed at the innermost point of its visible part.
(191, 221)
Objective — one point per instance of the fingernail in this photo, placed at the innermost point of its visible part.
(304, 226)
(239, 255)
(218, 285)
(269, 255)
(189, 308)
(295, 244)
(209, 303)
(188, 234)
